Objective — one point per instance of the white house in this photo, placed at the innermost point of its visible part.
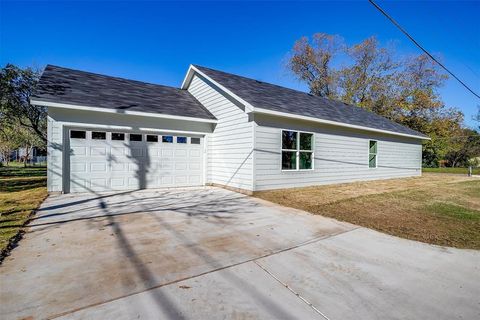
(108, 133)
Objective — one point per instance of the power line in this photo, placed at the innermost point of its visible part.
(421, 48)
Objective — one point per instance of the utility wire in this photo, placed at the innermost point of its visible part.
(421, 48)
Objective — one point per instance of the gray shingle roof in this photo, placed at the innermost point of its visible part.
(272, 97)
(62, 85)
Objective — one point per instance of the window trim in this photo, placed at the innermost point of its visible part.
(297, 151)
(368, 155)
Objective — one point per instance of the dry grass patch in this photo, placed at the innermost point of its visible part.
(437, 209)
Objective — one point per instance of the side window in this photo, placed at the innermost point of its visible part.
(97, 135)
(77, 134)
(372, 154)
(195, 140)
(289, 150)
(297, 150)
(306, 151)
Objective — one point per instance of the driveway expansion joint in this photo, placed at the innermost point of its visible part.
(291, 290)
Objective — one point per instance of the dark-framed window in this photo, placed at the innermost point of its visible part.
(99, 135)
(152, 138)
(195, 140)
(167, 139)
(372, 154)
(135, 137)
(181, 139)
(78, 134)
(118, 136)
(297, 150)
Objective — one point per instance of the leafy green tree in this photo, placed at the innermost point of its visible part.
(16, 87)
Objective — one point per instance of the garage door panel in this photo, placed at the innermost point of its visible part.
(78, 167)
(78, 151)
(195, 153)
(118, 151)
(98, 167)
(103, 165)
(98, 151)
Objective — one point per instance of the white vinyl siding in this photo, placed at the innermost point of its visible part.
(230, 146)
(54, 155)
(340, 156)
(61, 120)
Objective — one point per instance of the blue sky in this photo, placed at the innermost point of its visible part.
(156, 41)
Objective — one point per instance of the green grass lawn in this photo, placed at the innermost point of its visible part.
(22, 190)
(451, 170)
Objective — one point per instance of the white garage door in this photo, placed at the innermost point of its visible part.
(104, 161)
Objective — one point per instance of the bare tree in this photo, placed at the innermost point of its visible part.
(311, 62)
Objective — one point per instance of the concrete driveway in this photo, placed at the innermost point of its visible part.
(208, 253)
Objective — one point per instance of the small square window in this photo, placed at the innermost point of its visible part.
(195, 140)
(152, 138)
(96, 135)
(167, 139)
(78, 134)
(118, 136)
(181, 139)
(135, 137)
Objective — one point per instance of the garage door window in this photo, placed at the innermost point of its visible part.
(181, 139)
(135, 137)
(75, 134)
(152, 138)
(167, 139)
(118, 136)
(96, 135)
(195, 140)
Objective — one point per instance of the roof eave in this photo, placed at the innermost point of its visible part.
(37, 102)
(335, 123)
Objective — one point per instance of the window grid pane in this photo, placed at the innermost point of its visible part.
(289, 160)
(305, 160)
(289, 140)
(306, 141)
